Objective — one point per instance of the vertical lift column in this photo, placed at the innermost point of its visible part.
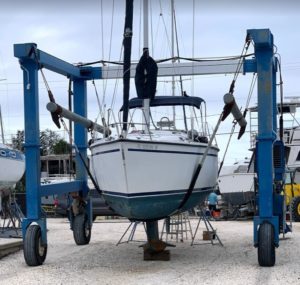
(270, 166)
(34, 227)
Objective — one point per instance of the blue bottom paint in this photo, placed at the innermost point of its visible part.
(153, 207)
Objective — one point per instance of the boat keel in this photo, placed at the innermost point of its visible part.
(155, 248)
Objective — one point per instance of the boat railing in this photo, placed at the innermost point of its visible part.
(115, 123)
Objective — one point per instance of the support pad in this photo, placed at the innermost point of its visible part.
(155, 250)
(152, 255)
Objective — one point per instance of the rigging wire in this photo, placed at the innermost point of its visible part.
(251, 89)
(116, 84)
(95, 183)
(240, 64)
(109, 56)
(100, 108)
(227, 146)
(97, 97)
(140, 26)
(193, 49)
(165, 28)
(175, 58)
(102, 32)
(231, 90)
(151, 26)
(180, 77)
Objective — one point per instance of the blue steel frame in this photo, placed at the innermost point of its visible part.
(30, 65)
(266, 68)
(264, 64)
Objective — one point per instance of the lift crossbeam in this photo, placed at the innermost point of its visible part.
(63, 187)
(201, 67)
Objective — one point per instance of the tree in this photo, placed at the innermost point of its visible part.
(18, 140)
(48, 139)
(62, 147)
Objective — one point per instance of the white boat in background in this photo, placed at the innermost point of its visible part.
(145, 175)
(12, 167)
(236, 183)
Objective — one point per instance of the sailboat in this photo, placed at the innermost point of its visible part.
(12, 165)
(145, 176)
(146, 170)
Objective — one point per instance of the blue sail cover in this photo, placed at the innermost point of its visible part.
(167, 101)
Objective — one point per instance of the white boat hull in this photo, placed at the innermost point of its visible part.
(12, 165)
(147, 179)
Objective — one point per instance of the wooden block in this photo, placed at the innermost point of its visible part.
(152, 255)
(208, 235)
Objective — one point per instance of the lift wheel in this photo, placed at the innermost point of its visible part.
(81, 229)
(34, 252)
(266, 245)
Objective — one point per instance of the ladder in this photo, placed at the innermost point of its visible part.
(177, 226)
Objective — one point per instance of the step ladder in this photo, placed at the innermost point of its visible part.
(177, 226)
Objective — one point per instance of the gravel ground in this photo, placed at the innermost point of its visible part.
(102, 262)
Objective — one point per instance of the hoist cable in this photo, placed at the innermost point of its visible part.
(55, 117)
(82, 159)
(240, 64)
(180, 77)
(227, 146)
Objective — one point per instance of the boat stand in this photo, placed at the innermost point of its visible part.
(211, 231)
(131, 235)
(12, 218)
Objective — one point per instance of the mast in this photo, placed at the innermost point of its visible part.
(172, 55)
(127, 60)
(146, 102)
(146, 75)
(146, 24)
(1, 123)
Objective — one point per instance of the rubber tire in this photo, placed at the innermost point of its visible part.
(266, 245)
(295, 209)
(34, 252)
(81, 229)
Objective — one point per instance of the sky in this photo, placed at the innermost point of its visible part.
(85, 31)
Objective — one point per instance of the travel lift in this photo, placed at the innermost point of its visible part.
(270, 164)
